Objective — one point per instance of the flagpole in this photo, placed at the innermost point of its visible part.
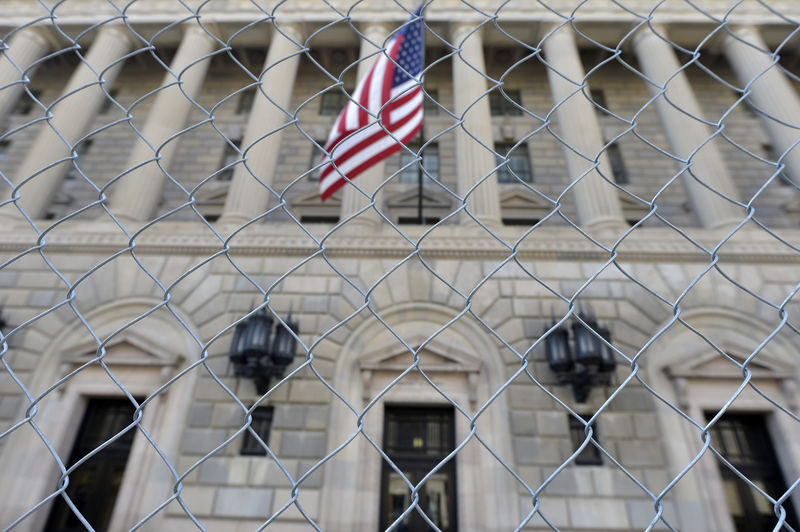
(420, 172)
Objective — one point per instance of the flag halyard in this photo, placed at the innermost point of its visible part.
(383, 114)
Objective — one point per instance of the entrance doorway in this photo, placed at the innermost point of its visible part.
(416, 439)
(94, 485)
(743, 439)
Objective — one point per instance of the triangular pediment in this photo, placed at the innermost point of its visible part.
(436, 356)
(125, 352)
(312, 199)
(410, 198)
(519, 198)
(630, 204)
(212, 193)
(714, 365)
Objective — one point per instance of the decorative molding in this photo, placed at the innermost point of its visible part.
(448, 241)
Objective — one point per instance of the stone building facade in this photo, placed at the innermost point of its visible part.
(162, 211)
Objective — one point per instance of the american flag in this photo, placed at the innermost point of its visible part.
(388, 112)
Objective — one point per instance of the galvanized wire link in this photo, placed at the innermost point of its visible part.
(65, 225)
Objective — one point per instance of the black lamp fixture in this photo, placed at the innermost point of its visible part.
(258, 354)
(585, 362)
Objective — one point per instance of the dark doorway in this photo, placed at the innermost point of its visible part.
(93, 486)
(416, 439)
(743, 439)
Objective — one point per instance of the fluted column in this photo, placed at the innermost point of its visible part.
(248, 196)
(24, 48)
(772, 93)
(473, 161)
(370, 179)
(681, 117)
(597, 201)
(72, 116)
(137, 195)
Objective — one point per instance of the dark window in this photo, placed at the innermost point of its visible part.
(319, 219)
(411, 169)
(24, 103)
(744, 105)
(333, 101)
(743, 440)
(414, 220)
(599, 98)
(617, 164)
(229, 157)
(94, 485)
(518, 167)
(108, 101)
(527, 222)
(417, 439)
(245, 102)
(590, 455)
(316, 160)
(500, 105)
(430, 108)
(261, 425)
(81, 150)
(770, 155)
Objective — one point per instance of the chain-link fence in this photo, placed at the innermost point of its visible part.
(554, 292)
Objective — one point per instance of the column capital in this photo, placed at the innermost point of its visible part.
(461, 29)
(375, 31)
(39, 34)
(295, 31)
(121, 31)
(650, 31)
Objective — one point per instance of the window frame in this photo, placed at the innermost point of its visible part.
(499, 104)
(264, 416)
(519, 153)
(590, 455)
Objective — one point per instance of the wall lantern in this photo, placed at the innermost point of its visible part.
(586, 361)
(258, 354)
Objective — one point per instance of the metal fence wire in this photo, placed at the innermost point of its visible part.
(567, 303)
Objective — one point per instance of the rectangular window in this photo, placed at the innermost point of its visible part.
(246, 99)
(108, 102)
(316, 159)
(599, 98)
(24, 104)
(503, 103)
(229, 157)
(333, 101)
(770, 155)
(261, 425)
(411, 169)
(430, 108)
(518, 167)
(81, 150)
(590, 455)
(617, 164)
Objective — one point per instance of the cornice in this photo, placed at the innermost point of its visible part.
(20, 12)
(552, 244)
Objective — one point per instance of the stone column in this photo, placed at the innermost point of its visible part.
(72, 116)
(772, 93)
(137, 194)
(597, 201)
(248, 196)
(473, 161)
(685, 134)
(371, 179)
(24, 48)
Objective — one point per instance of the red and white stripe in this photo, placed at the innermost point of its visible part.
(363, 135)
